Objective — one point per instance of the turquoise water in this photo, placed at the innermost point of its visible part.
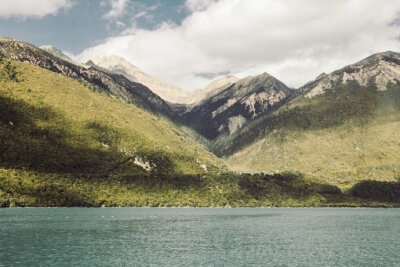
(194, 237)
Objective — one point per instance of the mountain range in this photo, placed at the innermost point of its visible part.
(108, 118)
(342, 127)
(165, 90)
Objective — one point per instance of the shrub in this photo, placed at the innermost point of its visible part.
(8, 71)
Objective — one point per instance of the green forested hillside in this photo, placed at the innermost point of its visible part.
(54, 127)
(60, 125)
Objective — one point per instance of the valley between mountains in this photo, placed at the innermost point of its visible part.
(105, 133)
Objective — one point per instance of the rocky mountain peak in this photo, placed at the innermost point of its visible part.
(380, 69)
(220, 82)
(217, 86)
(322, 75)
(89, 63)
(235, 104)
(115, 63)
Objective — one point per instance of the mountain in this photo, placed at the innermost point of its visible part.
(380, 69)
(199, 94)
(218, 85)
(234, 104)
(57, 52)
(113, 84)
(175, 96)
(165, 90)
(342, 128)
(322, 75)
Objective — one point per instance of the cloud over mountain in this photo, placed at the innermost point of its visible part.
(292, 40)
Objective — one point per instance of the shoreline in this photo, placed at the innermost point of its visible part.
(377, 206)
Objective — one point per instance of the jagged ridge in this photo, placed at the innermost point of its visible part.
(234, 105)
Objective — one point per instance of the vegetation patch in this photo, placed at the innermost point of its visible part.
(377, 191)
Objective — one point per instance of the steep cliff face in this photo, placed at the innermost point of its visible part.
(232, 105)
(113, 84)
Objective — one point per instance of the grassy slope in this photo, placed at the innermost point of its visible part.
(52, 106)
(342, 137)
(52, 126)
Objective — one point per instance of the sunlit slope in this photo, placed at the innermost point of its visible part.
(53, 124)
(345, 135)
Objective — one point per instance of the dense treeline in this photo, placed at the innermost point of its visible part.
(22, 188)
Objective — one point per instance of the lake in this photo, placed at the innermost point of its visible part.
(199, 236)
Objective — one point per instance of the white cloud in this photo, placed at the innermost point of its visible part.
(198, 5)
(117, 8)
(292, 40)
(24, 9)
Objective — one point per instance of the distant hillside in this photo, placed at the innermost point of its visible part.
(343, 127)
(165, 90)
(57, 52)
(235, 104)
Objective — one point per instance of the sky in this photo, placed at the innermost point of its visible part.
(191, 42)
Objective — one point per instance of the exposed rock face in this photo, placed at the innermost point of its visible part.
(379, 69)
(114, 84)
(165, 90)
(232, 105)
(235, 123)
